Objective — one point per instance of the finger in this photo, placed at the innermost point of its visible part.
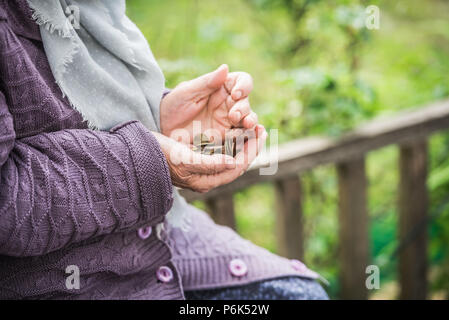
(208, 83)
(213, 181)
(251, 149)
(239, 111)
(250, 121)
(206, 182)
(260, 129)
(229, 101)
(241, 136)
(210, 164)
(217, 98)
(242, 86)
(235, 133)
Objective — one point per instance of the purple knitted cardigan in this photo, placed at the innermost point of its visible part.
(74, 196)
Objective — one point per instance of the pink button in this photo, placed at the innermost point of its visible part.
(144, 233)
(298, 265)
(164, 274)
(238, 268)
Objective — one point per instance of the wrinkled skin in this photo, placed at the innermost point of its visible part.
(218, 101)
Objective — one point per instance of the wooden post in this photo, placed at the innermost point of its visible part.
(413, 220)
(289, 220)
(221, 208)
(354, 244)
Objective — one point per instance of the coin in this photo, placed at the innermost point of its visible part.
(209, 150)
(202, 144)
(201, 140)
(230, 146)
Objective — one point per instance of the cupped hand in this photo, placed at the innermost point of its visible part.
(201, 173)
(217, 100)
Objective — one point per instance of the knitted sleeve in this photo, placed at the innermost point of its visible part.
(72, 185)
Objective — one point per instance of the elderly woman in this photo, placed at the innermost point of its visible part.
(88, 167)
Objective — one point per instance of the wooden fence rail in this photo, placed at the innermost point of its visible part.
(410, 131)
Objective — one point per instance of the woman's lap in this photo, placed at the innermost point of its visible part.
(287, 288)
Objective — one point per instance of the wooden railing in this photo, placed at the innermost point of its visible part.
(410, 131)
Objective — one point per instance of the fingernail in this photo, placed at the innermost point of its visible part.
(237, 95)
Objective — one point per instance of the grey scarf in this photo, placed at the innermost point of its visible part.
(104, 65)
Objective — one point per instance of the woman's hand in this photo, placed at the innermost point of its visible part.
(201, 173)
(218, 100)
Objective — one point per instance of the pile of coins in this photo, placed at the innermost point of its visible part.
(202, 144)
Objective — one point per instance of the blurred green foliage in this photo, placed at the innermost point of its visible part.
(319, 70)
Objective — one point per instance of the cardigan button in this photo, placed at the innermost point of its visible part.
(298, 265)
(238, 268)
(164, 274)
(144, 233)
